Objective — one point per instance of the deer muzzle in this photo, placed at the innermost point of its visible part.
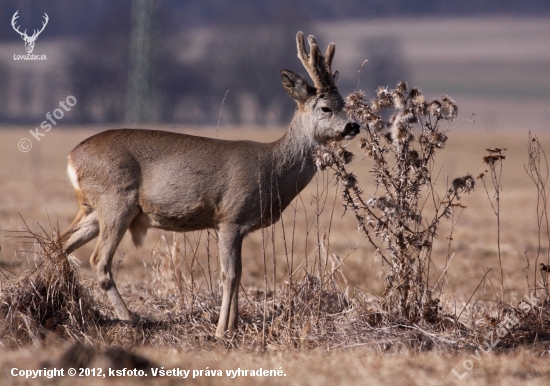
(350, 130)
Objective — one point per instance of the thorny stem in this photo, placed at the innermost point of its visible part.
(392, 218)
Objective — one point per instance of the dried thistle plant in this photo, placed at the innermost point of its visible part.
(393, 218)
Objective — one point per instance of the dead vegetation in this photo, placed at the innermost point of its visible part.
(53, 303)
(47, 300)
(394, 218)
(313, 309)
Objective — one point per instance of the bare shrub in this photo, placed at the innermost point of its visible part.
(394, 217)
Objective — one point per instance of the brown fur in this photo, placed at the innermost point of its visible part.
(136, 179)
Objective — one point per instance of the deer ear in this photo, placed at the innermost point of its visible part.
(296, 86)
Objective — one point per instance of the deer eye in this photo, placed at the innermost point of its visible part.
(326, 110)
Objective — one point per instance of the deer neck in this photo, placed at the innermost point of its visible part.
(292, 159)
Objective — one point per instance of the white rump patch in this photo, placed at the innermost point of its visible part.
(72, 176)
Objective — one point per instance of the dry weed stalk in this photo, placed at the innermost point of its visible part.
(393, 218)
(539, 171)
(494, 161)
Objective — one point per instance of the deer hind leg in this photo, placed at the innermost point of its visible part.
(111, 230)
(230, 244)
(84, 228)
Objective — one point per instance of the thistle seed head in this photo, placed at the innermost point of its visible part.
(320, 164)
(375, 105)
(449, 109)
(465, 183)
(398, 99)
(402, 86)
(382, 92)
(347, 157)
(408, 117)
(421, 108)
(328, 159)
(384, 97)
(434, 107)
(415, 93)
(355, 98)
(400, 133)
(418, 99)
(350, 181)
(339, 151)
(388, 137)
(376, 125)
(386, 102)
(438, 139)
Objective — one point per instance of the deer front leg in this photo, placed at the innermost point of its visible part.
(230, 244)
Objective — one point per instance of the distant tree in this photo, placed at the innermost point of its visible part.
(247, 60)
(98, 70)
(4, 76)
(182, 91)
(243, 59)
(138, 91)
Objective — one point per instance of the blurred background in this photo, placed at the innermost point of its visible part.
(172, 62)
(169, 64)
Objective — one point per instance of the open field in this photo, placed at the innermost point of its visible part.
(35, 188)
(41, 193)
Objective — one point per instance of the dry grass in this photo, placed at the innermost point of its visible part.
(49, 299)
(323, 321)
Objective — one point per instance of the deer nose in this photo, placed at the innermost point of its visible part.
(350, 130)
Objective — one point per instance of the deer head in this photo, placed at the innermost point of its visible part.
(29, 40)
(320, 107)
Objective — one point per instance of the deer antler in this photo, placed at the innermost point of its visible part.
(44, 23)
(318, 68)
(24, 34)
(13, 19)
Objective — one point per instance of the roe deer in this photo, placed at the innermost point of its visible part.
(137, 179)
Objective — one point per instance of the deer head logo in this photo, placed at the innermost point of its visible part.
(29, 40)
